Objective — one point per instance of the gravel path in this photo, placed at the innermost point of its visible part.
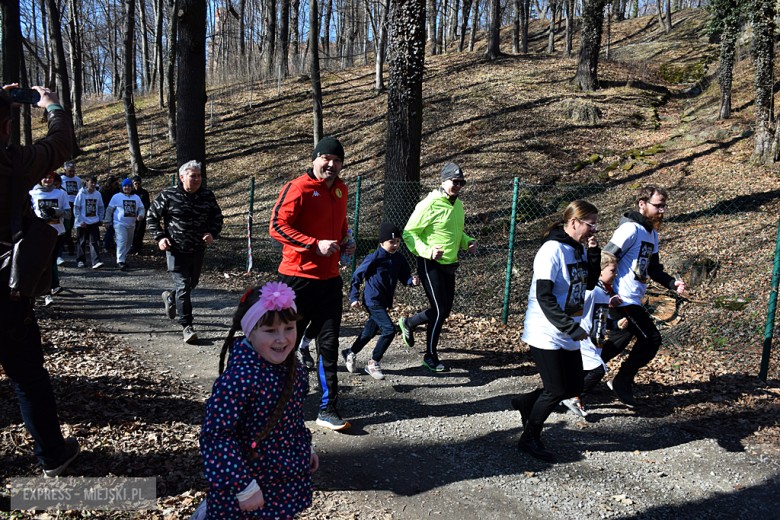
(425, 445)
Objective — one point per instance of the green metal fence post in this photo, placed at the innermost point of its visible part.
(510, 254)
(251, 218)
(355, 226)
(770, 312)
(173, 179)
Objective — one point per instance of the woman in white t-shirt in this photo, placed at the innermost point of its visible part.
(563, 270)
(51, 204)
(123, 211)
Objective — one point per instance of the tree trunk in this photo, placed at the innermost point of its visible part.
(590, 45)
(763, 59)
(454, 10)
(170, 72)
(515, 26)
(406, 60)
(431, 18)
(158, 52)
(284, 36)
(60, 68)
(380, 44)
(242, 32)
(191, 83)
(551, 31)
(26, 109)
(569, 27)
(294, 36)
(609, 28)
(314, 65)
(668, 16)
(464, 23)
(661, 23)
(326, 29)
(270, 38)
(76, 67)
(525, 17)
(635, 9)
(728, 43)
(128, 41)
(474, 21)
(493, 50)
(145, 61)
(11, 56)
(442, 38)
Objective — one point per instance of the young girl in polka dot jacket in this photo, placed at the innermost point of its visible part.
(255, 446)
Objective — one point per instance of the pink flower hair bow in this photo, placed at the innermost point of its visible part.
(274, 296)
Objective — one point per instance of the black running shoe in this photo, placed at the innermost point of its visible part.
(535, 448)
(406, 333)
(622, 389)
(307, 360)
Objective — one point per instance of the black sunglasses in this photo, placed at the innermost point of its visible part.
(458, 182)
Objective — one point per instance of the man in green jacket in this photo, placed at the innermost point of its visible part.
(434, 234)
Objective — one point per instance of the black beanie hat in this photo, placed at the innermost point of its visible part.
(388, 231)
(451, 171)
(328, 146)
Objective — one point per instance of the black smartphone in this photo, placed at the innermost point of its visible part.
(27, 96)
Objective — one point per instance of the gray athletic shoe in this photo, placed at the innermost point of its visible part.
(190, 335)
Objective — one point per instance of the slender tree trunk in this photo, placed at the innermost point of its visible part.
(11, 55)
(60, 67)
(590, 45)
(158, 51)
(464, 23)
(494, 27)
(659, 4)
(516, 26)
(442, 38)
(525, 17)
(294, 35)
(26, 109)
(314, 65)
(406, 60)
(763, 59)
(474, 22)
(145, 61)
(270, 38)
(76, 64)
(284, 36)
(609, 28)
(668, 16)
(635, 9)
(551, 31)
(326, 29)
(136, 160)
(728, 43)
(242, 32)
(170, 70)
(431, 19)
(569, 26)
(381, 45)
(191, 83)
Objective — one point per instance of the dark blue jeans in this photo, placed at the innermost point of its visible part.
(378, 321)
(185, 269)
(22, 359)
(108, 239)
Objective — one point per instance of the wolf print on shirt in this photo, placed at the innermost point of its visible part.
(578, 278)
(642, 261)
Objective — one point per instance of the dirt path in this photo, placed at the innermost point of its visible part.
(425, 445)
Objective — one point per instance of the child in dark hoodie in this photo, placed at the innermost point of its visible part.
(381, 270)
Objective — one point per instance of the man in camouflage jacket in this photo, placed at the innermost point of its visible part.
(191, 219)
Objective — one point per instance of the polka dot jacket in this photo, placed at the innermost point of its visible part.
(242, 401)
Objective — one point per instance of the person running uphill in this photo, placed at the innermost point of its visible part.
(434, 234)
(256, 449)
(310, 220)
(563, 270)
(635, 244)
(381, 270)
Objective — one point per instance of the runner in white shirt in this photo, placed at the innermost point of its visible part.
(563, 271)
(635, 244)
(124, 210)
(71, 184)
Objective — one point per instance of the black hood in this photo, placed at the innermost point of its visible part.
(635, 216)
(559, 235)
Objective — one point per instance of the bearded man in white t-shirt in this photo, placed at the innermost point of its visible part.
(635, 244)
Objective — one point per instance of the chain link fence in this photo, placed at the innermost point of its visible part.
(719, 240)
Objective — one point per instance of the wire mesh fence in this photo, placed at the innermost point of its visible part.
(721, 242)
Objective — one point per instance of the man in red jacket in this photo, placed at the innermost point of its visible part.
(310, 220)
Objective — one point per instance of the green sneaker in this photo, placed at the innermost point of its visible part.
(406, 333)
(434, 365)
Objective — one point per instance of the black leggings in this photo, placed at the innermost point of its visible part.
(440, 289)
(561, 372)
(648, 340)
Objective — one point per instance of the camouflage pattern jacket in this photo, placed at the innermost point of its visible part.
(185, 218)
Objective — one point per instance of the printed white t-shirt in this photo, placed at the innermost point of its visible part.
(87, 207)
(637, 246)
(71, 186)
(50, 199)
(557, 262)
(127, 209)
(594, 322)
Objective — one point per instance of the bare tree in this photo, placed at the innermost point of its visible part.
(191, 83)
(128, 41)
(668, 16)
(493, 50)
(314, 65)
(59, 65)
(474, 21)
(569, 26)
(11, 53)
(516, 26)
(551, 32)
(590, 44)
(763, 58)
(464, 23)
(431, 17)
(76, 63)
(661, 23)
(170, 71)
(406, 61)
(284, 35)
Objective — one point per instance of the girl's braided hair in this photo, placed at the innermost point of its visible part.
(251, 297)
